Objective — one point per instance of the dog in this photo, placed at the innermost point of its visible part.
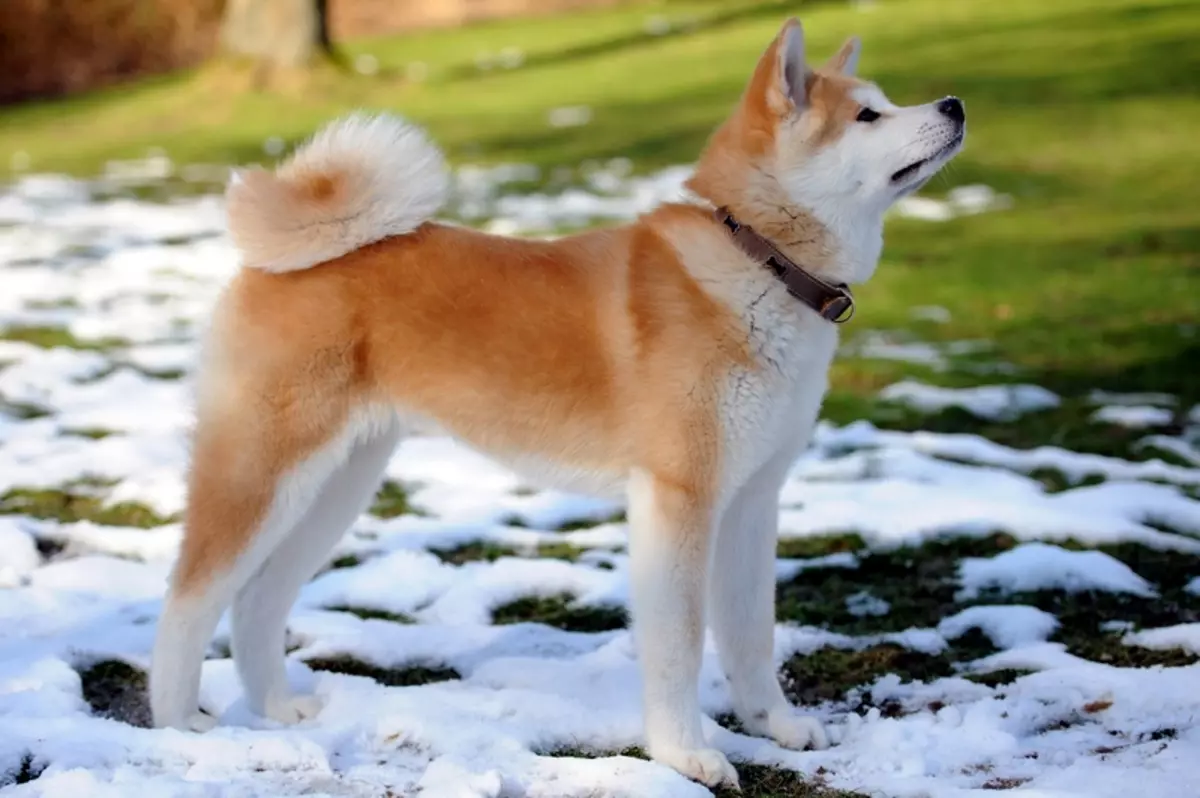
(679, 362)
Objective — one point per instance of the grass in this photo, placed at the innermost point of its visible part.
(392, 500)
(66, 506)
(409, 676)
(117, 690)
(1082, 110)
(51, 337)
(1079, 109)
(559, 612)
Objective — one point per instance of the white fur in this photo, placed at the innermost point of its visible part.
(261, 607)
(393, 179)
(847, 184)
(669, 551)
(187, 622)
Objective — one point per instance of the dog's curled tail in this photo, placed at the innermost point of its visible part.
(358, 180)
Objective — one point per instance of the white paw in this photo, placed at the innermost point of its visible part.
(200, 722)
(706, 765)
(793, 730)
(294, 708)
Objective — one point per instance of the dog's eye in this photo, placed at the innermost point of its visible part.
(867, 115)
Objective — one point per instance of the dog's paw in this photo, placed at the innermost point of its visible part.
(793, 730)
(200, 722)
(294, 708)
(706, 765)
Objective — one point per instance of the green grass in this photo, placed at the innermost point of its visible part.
(559, 612)
(1082, 110)
(409, 676)
(392, 500)
(66, 506)
(51, 337)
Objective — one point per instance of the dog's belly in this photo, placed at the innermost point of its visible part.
(546, 473)
(539, 470)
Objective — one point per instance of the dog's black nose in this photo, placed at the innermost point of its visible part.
(953, 108)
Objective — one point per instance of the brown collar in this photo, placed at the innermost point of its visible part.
(832, 302)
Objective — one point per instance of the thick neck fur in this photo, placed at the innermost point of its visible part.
(838, 246)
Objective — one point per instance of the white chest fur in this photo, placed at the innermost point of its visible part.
(769, 410)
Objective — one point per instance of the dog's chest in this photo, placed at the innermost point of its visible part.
(772, 407)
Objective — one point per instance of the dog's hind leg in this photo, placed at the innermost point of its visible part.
(260, 608)
(742, 598)
(254, 474)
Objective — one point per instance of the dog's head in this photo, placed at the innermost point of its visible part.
(823, 141)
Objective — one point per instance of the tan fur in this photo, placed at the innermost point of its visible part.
(601, 350)
(655, 359)
(574, 350)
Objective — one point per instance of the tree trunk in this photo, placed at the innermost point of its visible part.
(277, 33)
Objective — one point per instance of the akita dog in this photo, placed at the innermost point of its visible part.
(678, 361)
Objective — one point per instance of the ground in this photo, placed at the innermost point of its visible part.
(989, 560)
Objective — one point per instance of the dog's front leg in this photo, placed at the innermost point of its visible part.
(743, 613)
(671, 533)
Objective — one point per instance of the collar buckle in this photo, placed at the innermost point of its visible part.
(838, 309)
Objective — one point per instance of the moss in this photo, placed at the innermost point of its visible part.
(117, 690)
(345, 561)
(1083, 615)
(28, 770)
(998, 677)
(588, 523)
(918, 584)
(559, 551)
(828, 674)
(66, 506)
(474, 551)
(805, 548)
(22, 411)
(764, 781)
(410, 676)
(94, 433)
(558, 612)
(371, 614)
(589, 753)
(1003, 784)
(51, 337)
(392, 500)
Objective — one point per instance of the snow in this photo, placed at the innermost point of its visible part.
(993, 402)
(1007, 626)
(1134, 416)
(1184, 635)
(1040, 566)
(146, 274)
(863, 604)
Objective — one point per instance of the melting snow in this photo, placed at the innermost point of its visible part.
(1040, 566)
(995, 402)
(72, 593)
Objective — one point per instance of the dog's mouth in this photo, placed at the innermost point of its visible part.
(947, 149)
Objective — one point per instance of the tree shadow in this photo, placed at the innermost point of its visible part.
(639, 38)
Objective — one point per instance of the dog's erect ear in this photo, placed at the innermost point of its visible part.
(793, 72)
(790, 70)
(846, 59)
